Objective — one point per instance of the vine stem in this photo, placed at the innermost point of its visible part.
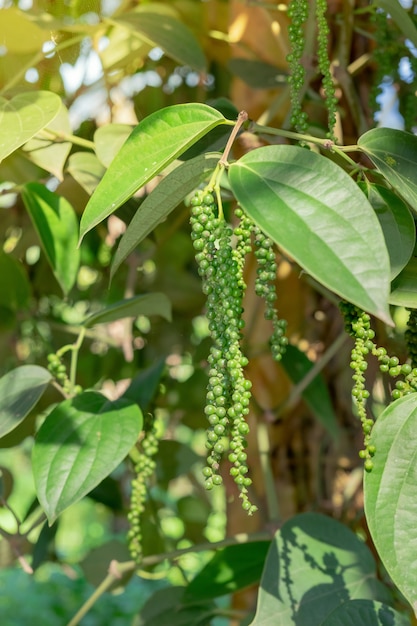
(117, 570)
(241, 119)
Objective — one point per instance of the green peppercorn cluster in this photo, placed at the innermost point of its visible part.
(411, 337)
(220, 265)
(59, 372)
(324, 65)
(144, 469)
(265, 288)
(298, 13)
(357, 324)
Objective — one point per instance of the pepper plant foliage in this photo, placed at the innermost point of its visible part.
(338, 219)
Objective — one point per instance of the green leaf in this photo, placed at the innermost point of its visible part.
(258, 74)
(161, 29)
(366, 613)
(315, 212)
(313, 566)
(174, 459)
(166, 607)
(316, 394)
(109, 140)
(144, 386)
(23, 117)
(397, 224)
(147, 304)
(47, 151)
(19, 34)
(230, 569)
(394, 153)
(162, 200)
(80, 443)
(56, 223)
(400, 16)
(20, 390)
(390, 492)
(404, 287)
(155, 142)
(14, 284)
(86, 169)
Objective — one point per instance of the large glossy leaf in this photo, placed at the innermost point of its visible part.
(404, 287)
(390, 491)
(366, 613)
(162, 200)
(229, 570)
(157, 141)
(80, 443)
(394, 153)
(397, 224)
(314, 565)
(147, 304)
(400, 16)
(57, 226)
(314, 211)
(20, 390)
(316, 394)
(22, 117)
(161, 29)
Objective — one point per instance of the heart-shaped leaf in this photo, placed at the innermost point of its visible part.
(390, 492)
(155, 142)
(147, 304)
(57, 226)
(20, 390)
(80, 443)
(162, 200)
(394, 153)
(366, 613)
(315, 212)
(24, 116)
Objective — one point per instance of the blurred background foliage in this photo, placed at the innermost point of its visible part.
(113, 63)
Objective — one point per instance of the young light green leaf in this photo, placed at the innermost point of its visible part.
(315, 212)
(80, 443)
(57, 226)
(366, 613)
(404, 287)
(162, 200)
(157, 141)
(108, 141)
(19, 34)
(316, 394)
(390, 492)
(20, 390)
(230, 569)
(22, 117)
(400, 16)
(86, 169)
(147, 304)
(48, 152)
(394, 153)
(397, 224)
(313, 565)
(161, 29)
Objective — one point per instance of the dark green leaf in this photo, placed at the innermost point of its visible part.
(365, 613)
(24, 116)
(156, 141)
(14, 285)
(397, 224)
(258, 74)
(315, 212)
(162, 200)
(390, 491)
(316, 394)
(144, 386)
(148, 304)
(80, 443)
(20, 390)
(404, 287)
(56, 223)
(230, 569)
(394, 153)
(157, 27)
(314, 565)
(167, 607)
(174, 459)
